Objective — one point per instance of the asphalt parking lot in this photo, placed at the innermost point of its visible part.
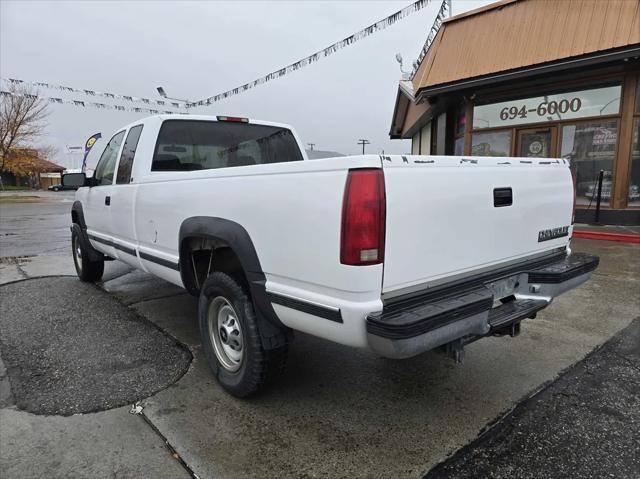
(337, 412)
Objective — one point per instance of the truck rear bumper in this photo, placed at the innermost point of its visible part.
(411, 325)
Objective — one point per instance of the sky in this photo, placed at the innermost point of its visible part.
(195, 49)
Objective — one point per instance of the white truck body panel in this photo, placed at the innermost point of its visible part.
(441, 221)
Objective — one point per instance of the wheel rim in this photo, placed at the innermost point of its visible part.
(77, 253)
(225, 332)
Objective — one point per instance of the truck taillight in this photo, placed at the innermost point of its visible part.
(363, 218)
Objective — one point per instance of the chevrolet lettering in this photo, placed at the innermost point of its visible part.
(553, 233)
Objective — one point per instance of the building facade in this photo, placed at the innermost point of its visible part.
(536, 78)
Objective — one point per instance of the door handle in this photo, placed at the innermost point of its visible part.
(107, 200)
(502, 197)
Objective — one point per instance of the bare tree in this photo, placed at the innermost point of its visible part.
(22, 119)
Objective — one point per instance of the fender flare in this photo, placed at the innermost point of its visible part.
(237, 238)
(79, 214)
(81, 228)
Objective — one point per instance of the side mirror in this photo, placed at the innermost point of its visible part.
(75, 180)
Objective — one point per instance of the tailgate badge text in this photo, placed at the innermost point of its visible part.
(553, 233)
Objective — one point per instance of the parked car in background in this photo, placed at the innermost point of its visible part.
(399, 254)
(61, 187)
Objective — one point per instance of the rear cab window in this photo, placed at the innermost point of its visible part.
(188, 145)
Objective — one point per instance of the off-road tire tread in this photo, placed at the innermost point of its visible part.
(92, 271)
(262, 367)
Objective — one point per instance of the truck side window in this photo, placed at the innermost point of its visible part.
(128, 153)
(187, 145)
(107, 163)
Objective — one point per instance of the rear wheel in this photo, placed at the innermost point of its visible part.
(231, 338)
(88, 271)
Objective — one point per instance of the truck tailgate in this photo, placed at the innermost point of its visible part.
(449, 217)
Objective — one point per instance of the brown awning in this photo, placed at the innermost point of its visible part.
(514, 34)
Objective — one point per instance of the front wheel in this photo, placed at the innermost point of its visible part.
(231, 338)
(88, 271)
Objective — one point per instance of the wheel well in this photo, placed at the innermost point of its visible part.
(74, 217)
(201, 256)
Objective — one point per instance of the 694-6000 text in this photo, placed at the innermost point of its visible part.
(544, 108)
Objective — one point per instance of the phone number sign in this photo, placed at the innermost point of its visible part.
(564, 106)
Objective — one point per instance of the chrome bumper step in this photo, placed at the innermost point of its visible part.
(514, 311)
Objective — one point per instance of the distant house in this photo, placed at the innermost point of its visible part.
(318, 154)
(26, 167)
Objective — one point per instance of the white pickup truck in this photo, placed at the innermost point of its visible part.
(399, 254)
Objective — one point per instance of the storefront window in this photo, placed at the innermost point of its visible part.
(493, 143)
(421, 141)
(591, 147)
(461, 120)
(440, 131)
(634, 180)
(563, 106)
(415, 144)
(425, 139)
(461, 123)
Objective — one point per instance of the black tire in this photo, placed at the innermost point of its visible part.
(257, 366)
(87, 271)
(56, 189)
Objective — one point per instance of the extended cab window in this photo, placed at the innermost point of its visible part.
(128, 153)
(186, 145)
(107, 163)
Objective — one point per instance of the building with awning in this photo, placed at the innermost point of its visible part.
(536, 78)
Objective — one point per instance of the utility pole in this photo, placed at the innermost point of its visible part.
(311, 145)
(363, 143)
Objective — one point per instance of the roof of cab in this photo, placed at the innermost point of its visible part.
(179, 116)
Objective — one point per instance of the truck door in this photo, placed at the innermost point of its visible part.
(122, 228)
(98, 200)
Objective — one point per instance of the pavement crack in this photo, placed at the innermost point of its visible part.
(155, 298)
(168, 445)
(21, 271)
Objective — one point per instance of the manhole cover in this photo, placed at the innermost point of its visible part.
(70, 348)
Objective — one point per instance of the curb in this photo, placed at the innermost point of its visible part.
(599, 235)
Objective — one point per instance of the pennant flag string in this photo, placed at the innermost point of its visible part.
(91, 104)
(443, 12)
(313, 58)
(331, 49)
(95, 93)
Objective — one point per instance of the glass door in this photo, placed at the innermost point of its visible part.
(537, 142)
